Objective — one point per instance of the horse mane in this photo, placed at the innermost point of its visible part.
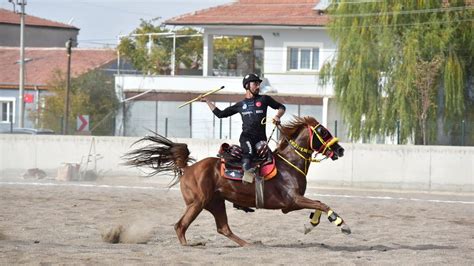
(293, 127)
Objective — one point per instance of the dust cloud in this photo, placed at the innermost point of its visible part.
(136, 232)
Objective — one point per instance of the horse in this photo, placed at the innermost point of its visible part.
(203, 187)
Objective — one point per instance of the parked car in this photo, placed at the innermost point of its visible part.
(29, 131)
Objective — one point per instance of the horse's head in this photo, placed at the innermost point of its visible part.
(312, 137)
(321, 141)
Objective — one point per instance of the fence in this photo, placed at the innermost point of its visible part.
(197, 121)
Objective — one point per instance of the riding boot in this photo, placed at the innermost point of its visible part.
(249, 172)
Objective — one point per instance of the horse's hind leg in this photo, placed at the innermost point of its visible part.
(192, 211)
(217, 208)
(301, 202)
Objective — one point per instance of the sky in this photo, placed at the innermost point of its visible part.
(101, 21)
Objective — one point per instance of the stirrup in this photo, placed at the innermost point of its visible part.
(248, 176)
(259, 192)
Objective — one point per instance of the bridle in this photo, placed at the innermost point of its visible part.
(300, 151)
(325, 145)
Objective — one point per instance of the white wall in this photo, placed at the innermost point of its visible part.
(182, 84)
(443, 168)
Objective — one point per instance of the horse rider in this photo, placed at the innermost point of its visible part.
(253, 108)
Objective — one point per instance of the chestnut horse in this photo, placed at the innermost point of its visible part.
(203, 187)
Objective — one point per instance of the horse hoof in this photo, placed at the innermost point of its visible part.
(346, 229)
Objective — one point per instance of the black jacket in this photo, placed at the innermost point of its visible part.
(252, 111)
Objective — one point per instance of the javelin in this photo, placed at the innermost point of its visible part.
(202, 95)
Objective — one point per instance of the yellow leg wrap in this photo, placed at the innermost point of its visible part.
(334, 218)
(315, 219)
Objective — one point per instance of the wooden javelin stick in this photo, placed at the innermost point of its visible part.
(202, 95)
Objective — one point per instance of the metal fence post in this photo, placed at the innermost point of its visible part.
(398, 132)
(156, 116)
(213, 126)
(220, 128)
(166, 127)
(335, 128)
(230, 127)
(190, 120)
(11, 122)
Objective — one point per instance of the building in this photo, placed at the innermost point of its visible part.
(290, 44)
(40, 66)
(45, 54)
(39, 32)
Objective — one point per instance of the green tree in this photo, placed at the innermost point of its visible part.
(91, 94)
(384, 51)
(157, 58)
(228, 49)
(188, 50)
(101, 103)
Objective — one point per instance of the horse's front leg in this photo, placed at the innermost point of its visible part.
(301, 202)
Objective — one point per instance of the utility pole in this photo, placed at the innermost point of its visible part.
(21, 108)
(68, 86)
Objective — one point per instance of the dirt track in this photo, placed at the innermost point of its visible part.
(62, 223)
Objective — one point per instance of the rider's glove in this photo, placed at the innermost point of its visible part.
(276, 120)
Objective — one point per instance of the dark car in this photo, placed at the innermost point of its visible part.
(29, 131)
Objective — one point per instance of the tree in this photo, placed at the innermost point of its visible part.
(91, 94)
(425, 81)
(384, 51)
(228, 49)
(156, 59)
(188, 50)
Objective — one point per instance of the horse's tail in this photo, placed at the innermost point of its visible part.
(162, 155)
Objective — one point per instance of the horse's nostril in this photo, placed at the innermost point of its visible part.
(340, 152)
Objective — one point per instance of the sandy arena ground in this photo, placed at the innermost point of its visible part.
(50, 222)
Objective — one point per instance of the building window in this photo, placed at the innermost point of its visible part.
(303, 58)
(6, 111)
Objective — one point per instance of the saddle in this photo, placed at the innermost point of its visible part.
(231, 161)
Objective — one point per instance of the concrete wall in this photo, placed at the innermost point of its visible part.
(442, 168)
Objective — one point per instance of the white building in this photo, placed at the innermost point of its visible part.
(290, 44)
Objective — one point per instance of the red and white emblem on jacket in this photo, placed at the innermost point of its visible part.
(258, 104)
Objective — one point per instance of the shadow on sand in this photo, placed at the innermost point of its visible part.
(357, 248)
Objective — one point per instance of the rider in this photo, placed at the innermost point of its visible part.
(252, 109)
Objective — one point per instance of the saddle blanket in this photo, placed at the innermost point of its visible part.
(231, 162)
(233, 172)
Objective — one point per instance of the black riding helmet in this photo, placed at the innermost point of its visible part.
(249, 78)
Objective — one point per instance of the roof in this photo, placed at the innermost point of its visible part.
(257, 12)
(41, 63)
(9, 17)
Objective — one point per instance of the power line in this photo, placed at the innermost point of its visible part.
(406, 24)
(407, 12)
